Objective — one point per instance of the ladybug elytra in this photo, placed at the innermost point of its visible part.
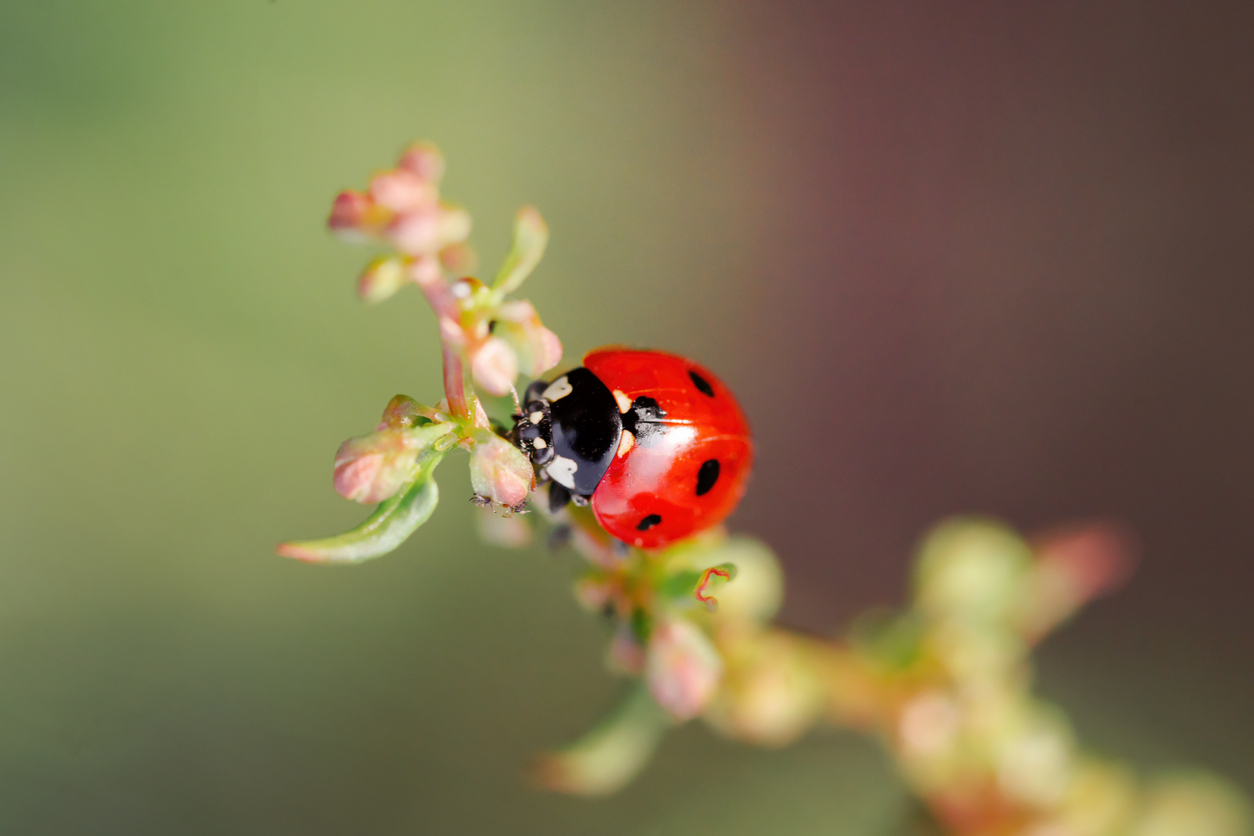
(655, 443)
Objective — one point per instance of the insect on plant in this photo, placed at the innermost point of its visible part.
(635, 458)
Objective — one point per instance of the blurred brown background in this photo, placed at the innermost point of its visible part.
(955, 258)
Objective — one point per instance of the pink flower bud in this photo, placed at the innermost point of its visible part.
(381, 279)
(499, 472)
(355, 216)
(459, 259)
(537, 348)
(494, 366)
(424, 160)
(372, 467)
(683, 668)
(416, 232)
(424, 269)
(402, 191)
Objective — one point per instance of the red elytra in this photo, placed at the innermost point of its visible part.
(691, 470)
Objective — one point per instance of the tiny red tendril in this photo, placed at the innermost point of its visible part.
(711, 603)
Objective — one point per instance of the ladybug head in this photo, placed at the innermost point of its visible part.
(533, 431)
(571, 429)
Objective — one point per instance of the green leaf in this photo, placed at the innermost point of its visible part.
(390, 525)
(531, 236)
(612, 753)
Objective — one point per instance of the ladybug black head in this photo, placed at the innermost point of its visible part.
(533, 431)
(571, 430)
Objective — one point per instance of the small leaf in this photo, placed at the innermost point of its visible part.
(390, 525)
(381, 279)
(403, 412)
(611, 754)
(531, 236)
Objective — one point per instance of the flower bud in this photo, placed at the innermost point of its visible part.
(499, 472)
(424, 269)
(382, 278)
(683, 669)
(771, 694)
(355, 216)
(372, 467)
(1035, 758)
(402, 191)
(972, 571)
(423, 160)
(458, 259)
(416, 232)
(494, 366)
(536, 348)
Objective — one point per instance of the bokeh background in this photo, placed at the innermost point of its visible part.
(970, 257)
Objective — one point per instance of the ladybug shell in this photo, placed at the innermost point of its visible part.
(687, 462)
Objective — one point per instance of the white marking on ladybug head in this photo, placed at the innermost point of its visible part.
(562, 471)
(624, 402)
(558, 389)
(535, 417)
(625, 443)
(539, 444)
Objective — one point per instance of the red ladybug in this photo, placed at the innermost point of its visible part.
(654, 442)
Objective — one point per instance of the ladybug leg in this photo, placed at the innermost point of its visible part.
(558, 497)
(579, 499)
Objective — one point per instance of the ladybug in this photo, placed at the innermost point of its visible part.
(655, 443)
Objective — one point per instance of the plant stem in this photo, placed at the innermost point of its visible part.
(440, 296)
(454, 382)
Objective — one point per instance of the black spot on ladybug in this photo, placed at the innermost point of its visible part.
(702, 384)
(645, 420)
(648, 522)
(707, 476)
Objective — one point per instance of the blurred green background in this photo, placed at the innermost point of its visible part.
(986, 259)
